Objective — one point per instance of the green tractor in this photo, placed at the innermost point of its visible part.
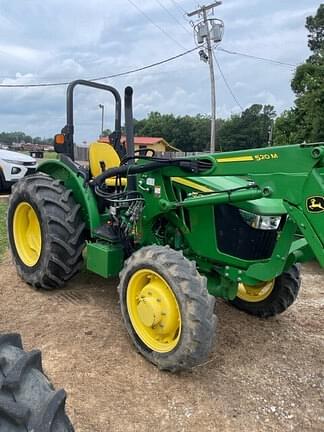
(178, 232)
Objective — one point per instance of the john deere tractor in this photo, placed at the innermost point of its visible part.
(178, 232)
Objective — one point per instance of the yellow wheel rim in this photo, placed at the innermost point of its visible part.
(153, 310)
(254, 294)
(27, 234)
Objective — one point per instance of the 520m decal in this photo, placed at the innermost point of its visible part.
(266, 156)
(259, 157)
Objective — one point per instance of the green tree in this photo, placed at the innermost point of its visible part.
(37, 140)
(247, 130)
(285, 128)
(305, 121)
(315, 26)
(106, 133)
(192, 133)
(188, 133)
(8, 138)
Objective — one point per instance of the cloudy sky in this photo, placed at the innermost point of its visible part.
(61, 40)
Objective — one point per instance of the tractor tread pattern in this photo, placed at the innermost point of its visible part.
(283, 295)
(28, 401)
(61, 257)
(197, 306)
(14, 375)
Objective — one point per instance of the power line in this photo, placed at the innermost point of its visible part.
(156, 25)
(257, 58)
(177, 5)
(227, 83)
(131, 71)
(173, 17)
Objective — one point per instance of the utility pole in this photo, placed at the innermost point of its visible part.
(212, 87)
(208, 30)
(270, 134)
(102, 107)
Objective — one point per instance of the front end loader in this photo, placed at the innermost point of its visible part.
(178, 232)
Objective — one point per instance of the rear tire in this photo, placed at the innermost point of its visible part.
(284, 293)
(192, 340)
(28, 401)
(57, 227)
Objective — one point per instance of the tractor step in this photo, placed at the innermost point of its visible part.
(105, 259)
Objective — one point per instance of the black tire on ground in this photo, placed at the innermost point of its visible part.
(195, 304)
(283, 295)
(28, 401)
(62, 231)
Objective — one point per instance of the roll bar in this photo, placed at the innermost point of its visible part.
(68, 129)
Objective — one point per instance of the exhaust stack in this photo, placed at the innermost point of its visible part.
(129, 127)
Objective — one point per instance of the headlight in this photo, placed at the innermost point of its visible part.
(13, 162)
(15, 170)
(261, 222)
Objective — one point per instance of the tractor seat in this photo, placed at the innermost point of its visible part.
(101, 157)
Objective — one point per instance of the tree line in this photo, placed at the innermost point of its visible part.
(8, 138)
(249, 129)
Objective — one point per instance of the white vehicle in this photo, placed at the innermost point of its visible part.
(13, 167)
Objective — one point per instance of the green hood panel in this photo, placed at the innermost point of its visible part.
(264, 206)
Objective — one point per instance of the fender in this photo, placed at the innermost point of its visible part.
(82, 194)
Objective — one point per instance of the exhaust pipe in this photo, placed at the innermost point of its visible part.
(129, 128)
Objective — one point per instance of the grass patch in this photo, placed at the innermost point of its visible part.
(50, 155)
(3, 229)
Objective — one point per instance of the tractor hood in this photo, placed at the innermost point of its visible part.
(264, 206)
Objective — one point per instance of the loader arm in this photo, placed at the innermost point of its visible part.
(290, 176)
(294, 174)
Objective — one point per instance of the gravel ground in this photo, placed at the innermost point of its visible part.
(263, 375)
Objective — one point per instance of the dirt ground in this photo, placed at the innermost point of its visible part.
(263, 375)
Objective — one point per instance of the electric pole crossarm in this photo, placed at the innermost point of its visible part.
(206, 8)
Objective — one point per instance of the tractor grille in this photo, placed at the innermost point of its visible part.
(235, 237)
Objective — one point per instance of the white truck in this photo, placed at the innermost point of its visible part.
(13, 167)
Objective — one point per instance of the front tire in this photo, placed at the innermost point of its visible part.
(271, 299)
(28, 401)
(46, 232)
(166, 308)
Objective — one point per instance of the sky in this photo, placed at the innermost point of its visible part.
(62, 40)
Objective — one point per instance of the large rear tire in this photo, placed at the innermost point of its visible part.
(272, 298)
(28, 401)
(45, 230)
(166, 308)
